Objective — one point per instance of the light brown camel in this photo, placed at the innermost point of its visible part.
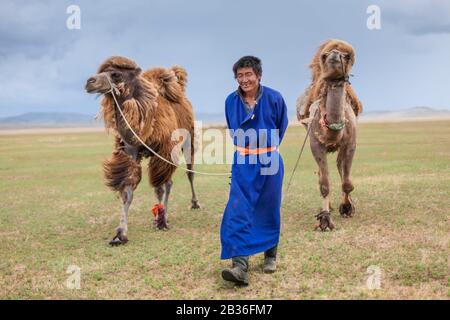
(155, 105)
(328, 108)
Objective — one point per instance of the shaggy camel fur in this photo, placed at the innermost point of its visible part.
(155, 105)
(330, 106)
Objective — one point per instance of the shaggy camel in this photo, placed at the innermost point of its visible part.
(154, 104)
(329, 107)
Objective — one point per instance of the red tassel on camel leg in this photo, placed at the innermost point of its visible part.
(159, 212)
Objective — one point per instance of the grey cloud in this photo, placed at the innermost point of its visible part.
(43, 65)
(418, 17)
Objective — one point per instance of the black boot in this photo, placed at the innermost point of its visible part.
(270, 260)
(238, 273)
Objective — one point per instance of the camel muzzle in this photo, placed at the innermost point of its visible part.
(97, 84)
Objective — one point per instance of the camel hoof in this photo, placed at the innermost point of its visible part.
(119, 238)
(325, 221)
(117, 242)
(161, 225)
(347, 210)
(195, 205)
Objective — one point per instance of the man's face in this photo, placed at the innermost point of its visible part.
(247, 79)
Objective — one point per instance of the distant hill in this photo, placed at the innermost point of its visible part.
(61, 119)
(414, 113)
(49, 119)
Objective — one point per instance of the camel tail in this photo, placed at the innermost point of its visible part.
(181, 75)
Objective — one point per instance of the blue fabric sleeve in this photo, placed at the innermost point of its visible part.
(282, 118)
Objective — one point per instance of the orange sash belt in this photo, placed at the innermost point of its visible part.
(246, 151)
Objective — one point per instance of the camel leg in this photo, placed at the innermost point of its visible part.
(194, 201)
(168, 187)
(160, 174)
(189, 153)
(320, 155)
(122, 229)
(161, 192)
(344, 164)
(160, 213)
(122, 174)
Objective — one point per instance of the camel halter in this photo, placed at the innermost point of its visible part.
(338, 126)
(114, 90)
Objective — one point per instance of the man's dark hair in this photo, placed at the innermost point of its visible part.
(248, 62)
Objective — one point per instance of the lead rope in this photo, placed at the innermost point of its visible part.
(301, 152)
(112, 91)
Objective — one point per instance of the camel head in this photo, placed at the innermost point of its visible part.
(120, 71)
(333, 60)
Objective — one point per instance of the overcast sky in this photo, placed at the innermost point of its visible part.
(44, 65)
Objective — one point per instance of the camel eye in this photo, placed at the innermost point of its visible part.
(347, 57)
(324, 56)
(116, 76)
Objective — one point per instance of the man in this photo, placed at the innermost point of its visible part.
(257, 118)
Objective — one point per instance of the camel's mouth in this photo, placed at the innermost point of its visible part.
(98, 84)
(335, 65)
(95, 90)
(334, 73)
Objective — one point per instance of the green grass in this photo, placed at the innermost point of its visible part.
(55, 212)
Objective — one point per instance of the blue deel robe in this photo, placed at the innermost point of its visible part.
(251, 220)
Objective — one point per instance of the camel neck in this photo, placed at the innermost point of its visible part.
(335, 103)
(121, 126)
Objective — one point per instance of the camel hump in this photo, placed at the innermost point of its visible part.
(181, 75)
(167, 83)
